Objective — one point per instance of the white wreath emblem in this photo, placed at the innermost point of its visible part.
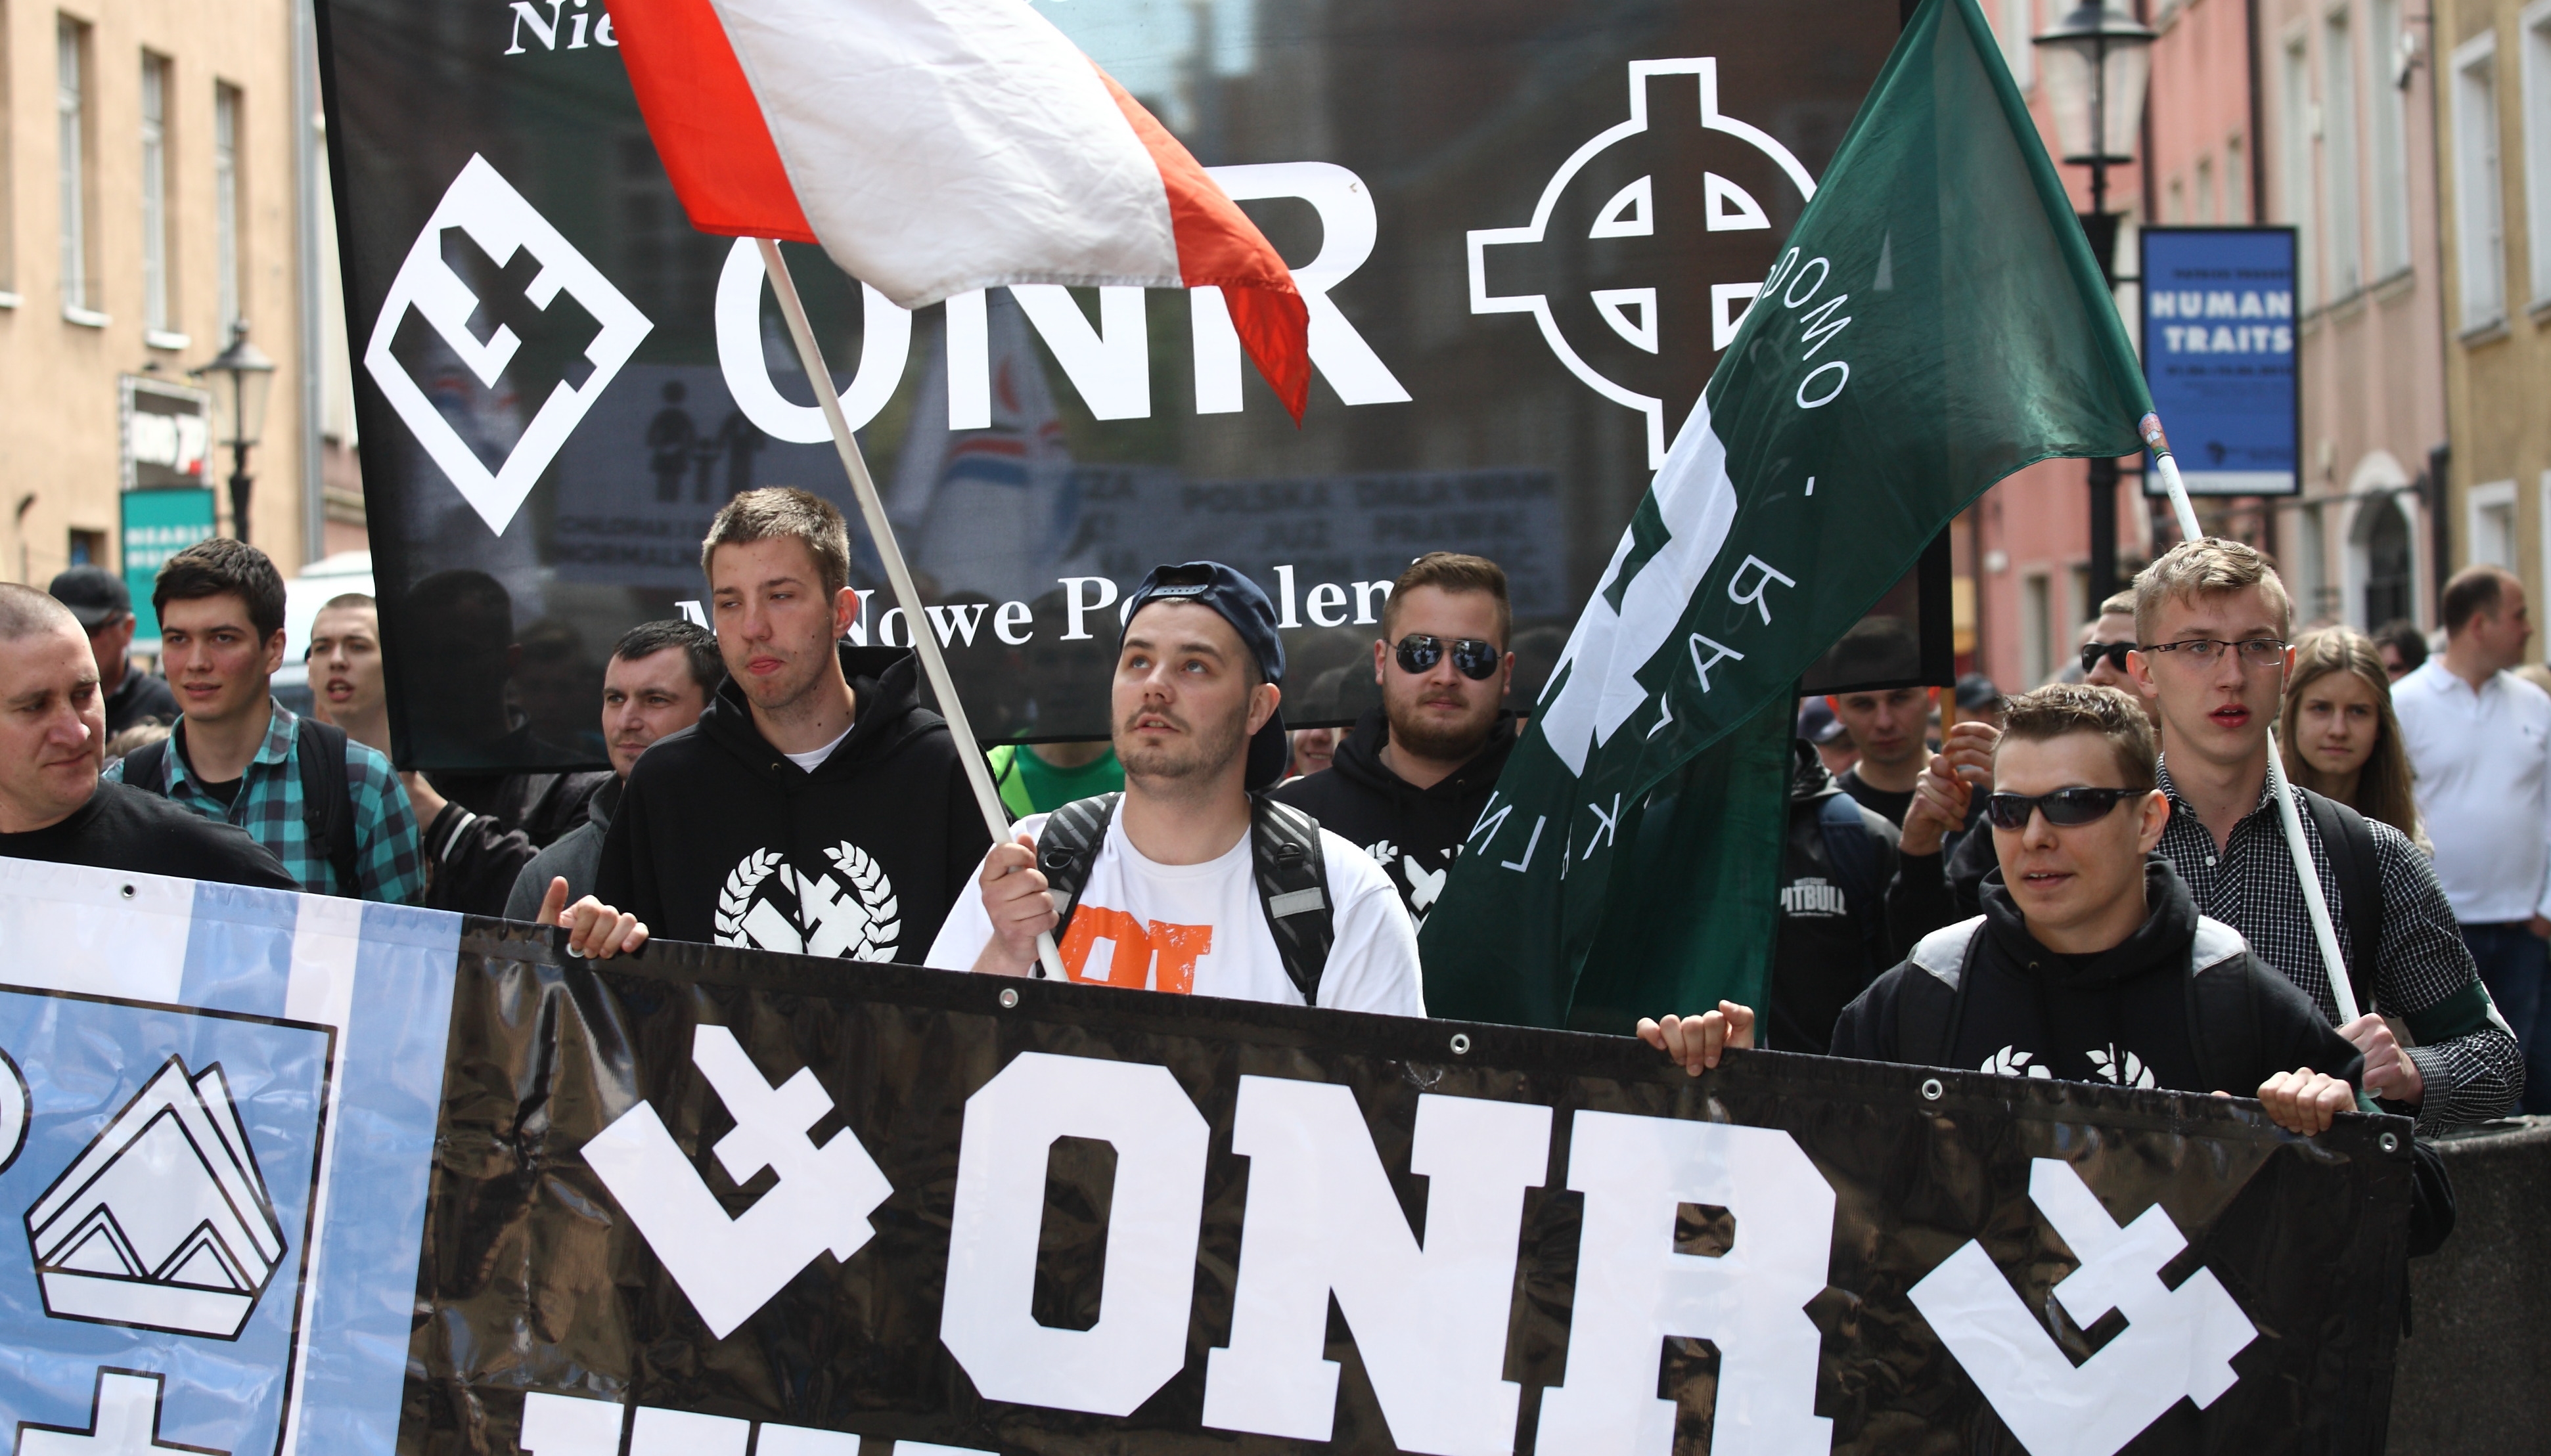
(743, 918)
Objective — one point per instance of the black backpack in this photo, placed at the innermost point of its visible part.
(2349, 842)
(1284, 852)
(327, 801)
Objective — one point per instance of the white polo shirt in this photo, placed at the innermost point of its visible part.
(2483, 761)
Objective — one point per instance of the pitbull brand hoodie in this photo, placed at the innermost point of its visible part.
(720, 839)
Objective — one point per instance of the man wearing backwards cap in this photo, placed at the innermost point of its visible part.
(1173, 897)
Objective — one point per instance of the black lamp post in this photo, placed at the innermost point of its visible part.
(2093, 65)
(239, 376)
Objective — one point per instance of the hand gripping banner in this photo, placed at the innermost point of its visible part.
(298, 1175)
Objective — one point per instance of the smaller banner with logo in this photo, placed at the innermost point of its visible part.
(719, 1201)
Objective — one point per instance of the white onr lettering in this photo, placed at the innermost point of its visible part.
(1111, 365)
(970, 362)
(1737, 593)
(1347, 231)
(1430, 1321)
(885, 343)
(1720, 651)
(1153, 1219)
(1076, 608)
(1634, 1291)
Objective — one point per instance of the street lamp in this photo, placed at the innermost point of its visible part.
(239, 376)
(2093, 65)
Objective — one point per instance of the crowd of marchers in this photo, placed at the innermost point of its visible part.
(2090, 882)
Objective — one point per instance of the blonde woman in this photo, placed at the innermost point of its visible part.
(2338, 734)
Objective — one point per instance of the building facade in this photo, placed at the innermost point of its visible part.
(152, 157)
(2493, 64)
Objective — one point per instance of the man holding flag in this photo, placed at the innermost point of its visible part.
(1936, 323)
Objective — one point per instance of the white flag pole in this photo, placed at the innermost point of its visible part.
(2341, 991)
(898, 575)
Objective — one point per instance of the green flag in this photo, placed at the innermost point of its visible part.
(1935, 323)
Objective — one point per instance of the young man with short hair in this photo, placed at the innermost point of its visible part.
(1891, 727)
(1195, 881)
(54, 807)
(329, 808)
(816, 806)
(1409, 782)
(2090, 962)
(2479, 739)
(2111, 637)
(2212, 618)
(657, 684)
(347, 686)
(98, 598)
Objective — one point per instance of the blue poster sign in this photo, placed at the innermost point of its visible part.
(2219, 345)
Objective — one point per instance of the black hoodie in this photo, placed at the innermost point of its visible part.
(719, 838)
(1832, 939)
(1413, 833)
(2119, 1017)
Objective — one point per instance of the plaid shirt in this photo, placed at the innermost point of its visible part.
(2422, 974)
(268, 805)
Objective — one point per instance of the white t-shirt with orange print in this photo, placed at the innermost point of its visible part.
(1199, 929)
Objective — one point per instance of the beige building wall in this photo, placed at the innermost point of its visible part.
(2494, 73)
(2347, 120)
(60, 451)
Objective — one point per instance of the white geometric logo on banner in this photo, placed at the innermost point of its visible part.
(2177, 1342)
(164, 1220)
(1631, 313)
(731, 1267)
(123, 1420)
(498, 219)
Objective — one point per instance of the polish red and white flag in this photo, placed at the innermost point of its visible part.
(937, 147)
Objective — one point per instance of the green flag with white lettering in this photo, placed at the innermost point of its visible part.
(1935, 323)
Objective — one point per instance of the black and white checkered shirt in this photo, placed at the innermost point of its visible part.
(2423, 976)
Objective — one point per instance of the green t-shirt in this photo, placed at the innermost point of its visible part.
(1030, 785)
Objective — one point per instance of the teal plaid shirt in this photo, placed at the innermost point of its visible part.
(269, 807)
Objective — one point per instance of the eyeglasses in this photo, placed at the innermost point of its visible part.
(2065, 808)
(2206, 651)
(1474, 660)
(2115, 652)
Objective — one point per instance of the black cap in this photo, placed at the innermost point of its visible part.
(95, 594)
(1817, 723)
(1976, 692)
(1236, 600)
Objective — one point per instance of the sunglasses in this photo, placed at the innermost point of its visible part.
(2065, 808)
(1475, 660)
(2115, 652)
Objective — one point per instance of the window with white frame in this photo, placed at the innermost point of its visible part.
(2482, 251)
(2535, 26)
(70, 85)
(155, 309)
(2491, 512)
(225, 203)
(2389, 119)
(2036, 629)
(2206, 212)
(2295, 102)
(2341, 223)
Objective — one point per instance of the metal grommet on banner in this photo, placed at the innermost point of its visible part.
(1931, 1088)
(1461, 1043)
(1009, 998)
(127, 891)
(2390, 1142)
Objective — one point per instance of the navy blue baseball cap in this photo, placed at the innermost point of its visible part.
(1236, 600)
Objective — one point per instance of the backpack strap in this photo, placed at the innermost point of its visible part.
(328, 802)
(1066, 848)
(2349, 842)
(1853, 853)
(2222, 1015)
(147, 768)
(1926, 1022)
(1293, 888)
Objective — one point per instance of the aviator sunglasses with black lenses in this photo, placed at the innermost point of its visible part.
(2115, 652)
(2065, 808)
(1472, 658)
